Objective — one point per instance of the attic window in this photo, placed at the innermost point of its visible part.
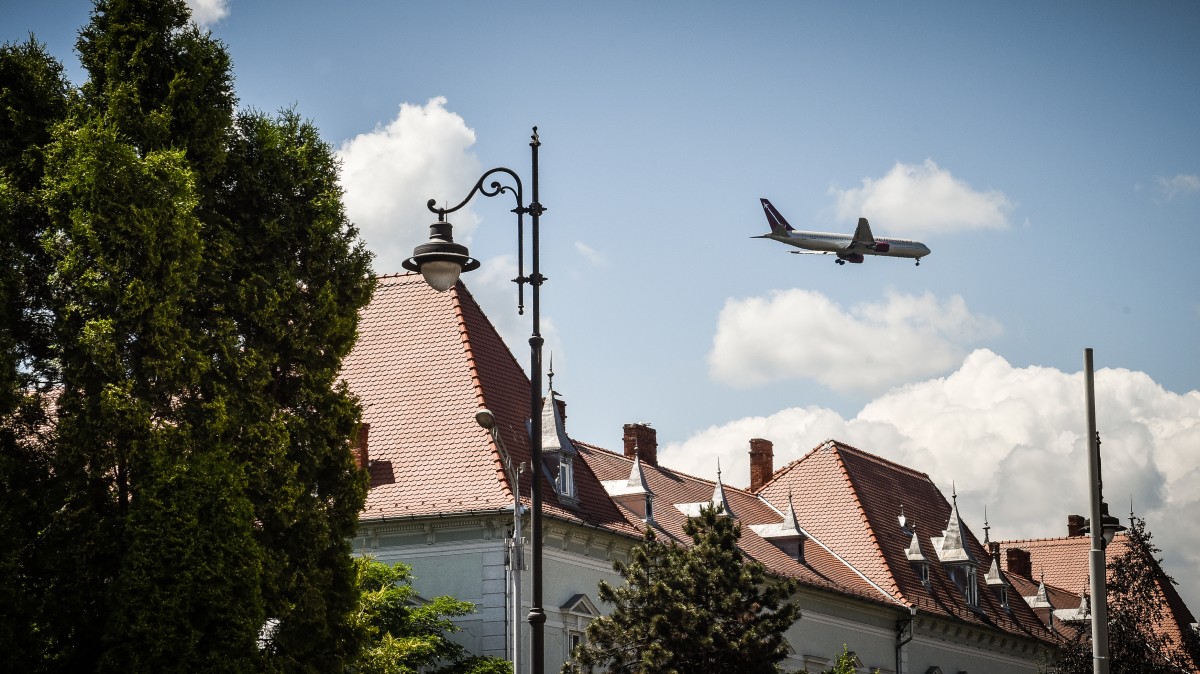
(923, 571)
(565, 483)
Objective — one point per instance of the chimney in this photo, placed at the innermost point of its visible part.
(360, 451)
(1018, 562)
(1075, 524)
(641, 441)
(762, 462)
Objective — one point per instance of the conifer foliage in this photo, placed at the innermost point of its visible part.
(178, 286)
(406, 636)
(1136, 643)
(699, 608)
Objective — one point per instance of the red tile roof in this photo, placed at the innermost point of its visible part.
(671, 488)
(1064, 562)
(424, 363)
(850, 500)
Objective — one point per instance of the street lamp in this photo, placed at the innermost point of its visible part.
(440, 261)
(1101, 535)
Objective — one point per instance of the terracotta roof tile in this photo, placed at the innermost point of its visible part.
(424, 363)
(1064, 563)
(820, 568)
(850, 500)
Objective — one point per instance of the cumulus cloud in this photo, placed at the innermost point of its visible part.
(208, 12)
(390, 173)
(919, 199)
(1011, 439)
(1178, 186)
(801, 334)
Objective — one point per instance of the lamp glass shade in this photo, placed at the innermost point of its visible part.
(441, 275)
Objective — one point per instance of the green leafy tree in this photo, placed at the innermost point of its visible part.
(178, 286)
(404, 636)
(701, 608)
(1135, 610)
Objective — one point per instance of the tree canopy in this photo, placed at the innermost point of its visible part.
(699, 608)
(178, 287)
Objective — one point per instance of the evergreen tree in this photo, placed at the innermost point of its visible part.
(701, 608)
(403, 637)
(180, 285)
(33, 99)
(1136, 645)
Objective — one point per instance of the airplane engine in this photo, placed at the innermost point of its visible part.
(882, 247)
(855, 258)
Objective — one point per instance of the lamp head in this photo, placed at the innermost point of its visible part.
(440, 260)
(485, 418)
(1110, 526)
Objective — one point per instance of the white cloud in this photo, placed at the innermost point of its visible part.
(208, 12)
(918, 199)
(1178, 186)
(801, 334)
(593, 256)
(1010, 439)
(390, 173)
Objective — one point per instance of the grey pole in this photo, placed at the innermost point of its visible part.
(1096, 566)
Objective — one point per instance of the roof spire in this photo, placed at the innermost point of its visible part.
(986, 528)
(719, 503)
(789, 520)
(550, 373)
(951, 546)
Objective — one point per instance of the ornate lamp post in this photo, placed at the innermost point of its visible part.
(440, 261)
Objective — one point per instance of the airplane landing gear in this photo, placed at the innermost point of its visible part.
(918, 262)
(840, 261)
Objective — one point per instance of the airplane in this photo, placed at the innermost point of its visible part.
(847, 248)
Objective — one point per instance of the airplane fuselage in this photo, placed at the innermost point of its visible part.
(826, 242)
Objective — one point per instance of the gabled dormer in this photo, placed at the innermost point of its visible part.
(917, 558)
(558, 454)
(996, 581)
(786, 535)
(633, 493)
(718, 501)
(955, 555)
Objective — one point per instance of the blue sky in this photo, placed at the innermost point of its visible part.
(1048, 155)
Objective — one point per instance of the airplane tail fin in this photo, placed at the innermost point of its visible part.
(778, 224)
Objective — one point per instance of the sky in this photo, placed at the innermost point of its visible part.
(1047, 153)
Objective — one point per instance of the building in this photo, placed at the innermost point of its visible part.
(1053, 573)
(885, 564)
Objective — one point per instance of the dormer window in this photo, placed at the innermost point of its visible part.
(565, 483)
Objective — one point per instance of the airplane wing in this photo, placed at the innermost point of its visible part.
(862, 236)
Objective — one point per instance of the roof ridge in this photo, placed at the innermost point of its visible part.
(880, 459)
(458, 297)
(844, 446)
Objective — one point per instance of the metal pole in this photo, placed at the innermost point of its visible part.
(537, 617)
(1096, 565)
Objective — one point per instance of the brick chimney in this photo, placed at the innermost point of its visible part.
(641, 440)
(1018, 562)
(1075, 524)
(360, 450)
(762, 462)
